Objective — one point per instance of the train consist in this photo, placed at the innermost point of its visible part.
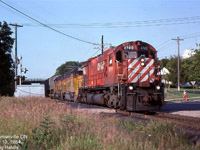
(125, 77)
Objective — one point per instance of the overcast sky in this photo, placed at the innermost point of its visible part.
(153, 21)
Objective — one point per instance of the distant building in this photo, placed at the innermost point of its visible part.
(164, 71)
(30, 90)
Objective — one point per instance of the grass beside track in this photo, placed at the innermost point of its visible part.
(47, 124)
(174, 95)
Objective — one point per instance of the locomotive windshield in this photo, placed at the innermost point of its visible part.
(143, 54)
(146, 54)
(130, 54)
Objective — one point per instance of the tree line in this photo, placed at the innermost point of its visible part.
(6, 61)
(189, 68)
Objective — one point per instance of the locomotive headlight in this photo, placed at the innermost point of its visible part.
(142, 64)
(142, 61)
(130, 87)
(158, 87)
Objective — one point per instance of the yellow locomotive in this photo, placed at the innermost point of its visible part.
(66, 86)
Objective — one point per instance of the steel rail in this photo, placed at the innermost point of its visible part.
(186, 122)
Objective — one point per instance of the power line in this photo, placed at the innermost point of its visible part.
(193, 35)
(85, 54)
(47, 25)
(163, 43)
(166, 46)
(188, 35)
(113, 25)
(50, 27)
(95, 52)
(172, 21)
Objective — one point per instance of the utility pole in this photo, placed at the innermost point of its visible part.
(102, 45)
(16, 59)
(24, 70)
(178, 63)
(20, 70)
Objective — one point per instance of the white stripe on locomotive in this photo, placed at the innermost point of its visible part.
(139, 75)
(148, 75)
(133, 63)
(136, 68)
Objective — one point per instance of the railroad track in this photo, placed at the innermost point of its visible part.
(186, 122)
(180, 121)
(190, 125)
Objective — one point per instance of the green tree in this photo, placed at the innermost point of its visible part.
(189, 68)
(185, 69)
(194, 68)
(6, 62)
(164, 62)
(66, 67)
(172, 67)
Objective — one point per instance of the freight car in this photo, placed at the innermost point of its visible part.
(49, 86)
(125, 77)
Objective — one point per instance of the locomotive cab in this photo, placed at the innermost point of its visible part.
(138, 79)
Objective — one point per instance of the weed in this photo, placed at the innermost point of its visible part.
(47, 136)
(84, 142)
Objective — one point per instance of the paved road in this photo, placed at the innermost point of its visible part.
(190, 108)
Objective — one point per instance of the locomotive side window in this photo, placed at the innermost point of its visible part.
(119, 56)
(110, 60)
(152, 55)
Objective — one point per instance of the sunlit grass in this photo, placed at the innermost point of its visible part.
(51, 125)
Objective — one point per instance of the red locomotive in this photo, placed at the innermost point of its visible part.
(125, 77)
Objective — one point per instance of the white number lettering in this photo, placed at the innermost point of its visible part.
(100, 66)
(128, 48)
